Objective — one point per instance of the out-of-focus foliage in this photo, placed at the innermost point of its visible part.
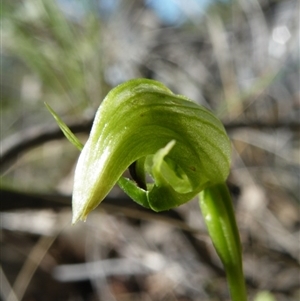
(64, 54)
(264, 296)
(238, 58)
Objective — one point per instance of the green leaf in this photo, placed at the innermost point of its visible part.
(65, 129)
(135, 123)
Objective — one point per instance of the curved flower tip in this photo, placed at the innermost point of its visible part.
(141, 124)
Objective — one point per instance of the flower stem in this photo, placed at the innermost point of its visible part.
(216, 206)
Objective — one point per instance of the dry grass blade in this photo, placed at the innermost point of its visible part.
(6, 291)
(31, 264)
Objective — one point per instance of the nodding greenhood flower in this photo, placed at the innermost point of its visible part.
(143, 126)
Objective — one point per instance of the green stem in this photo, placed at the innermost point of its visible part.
(217, 209)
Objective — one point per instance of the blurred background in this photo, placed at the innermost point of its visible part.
(239, 58)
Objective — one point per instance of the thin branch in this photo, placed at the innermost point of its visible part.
(12, 200)
(292, 126)
(19, 143)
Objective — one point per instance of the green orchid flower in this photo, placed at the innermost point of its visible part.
(174, 149)
(135, 123)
